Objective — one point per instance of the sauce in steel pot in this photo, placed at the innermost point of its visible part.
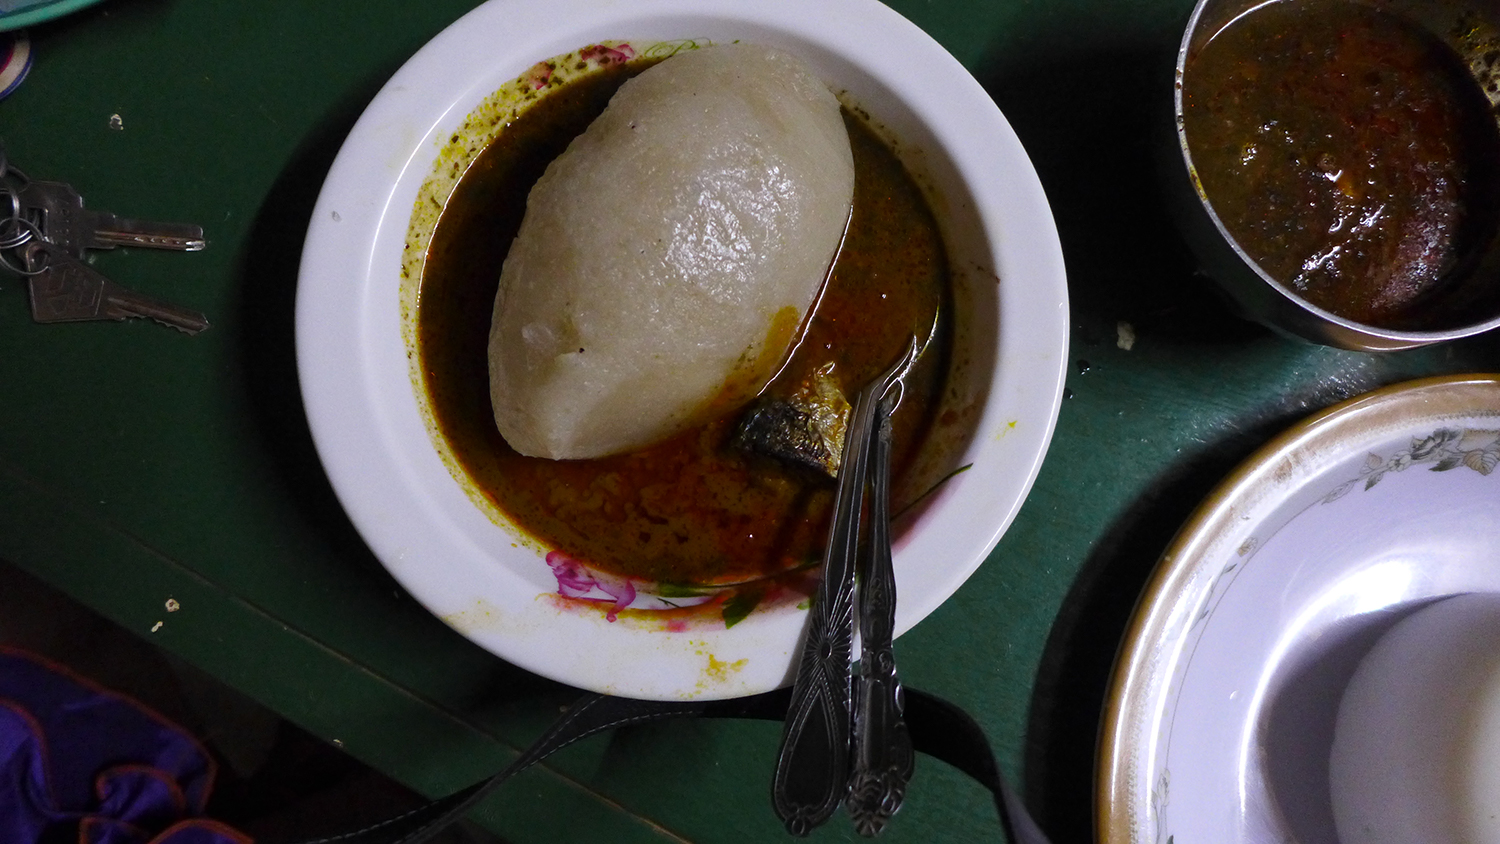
(1348, 152)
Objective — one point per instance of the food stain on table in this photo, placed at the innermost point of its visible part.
(1349, 153)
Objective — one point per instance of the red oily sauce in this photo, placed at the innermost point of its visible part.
(1348, 152)
(693, 509)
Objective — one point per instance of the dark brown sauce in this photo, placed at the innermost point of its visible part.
(690, 510)
(1348, 152)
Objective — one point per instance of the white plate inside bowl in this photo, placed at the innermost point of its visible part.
(493, 586)
(1219, 723)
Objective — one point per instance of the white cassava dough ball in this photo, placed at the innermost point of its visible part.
(667, 258)
(1416, 746)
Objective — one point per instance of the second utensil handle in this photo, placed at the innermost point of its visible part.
(882, 755)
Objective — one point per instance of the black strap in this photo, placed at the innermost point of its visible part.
(938, 729)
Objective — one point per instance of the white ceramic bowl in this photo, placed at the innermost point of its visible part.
(469, 568)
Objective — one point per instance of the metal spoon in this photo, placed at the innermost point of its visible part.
(812, 769)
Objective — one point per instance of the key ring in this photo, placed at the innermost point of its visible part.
(16, 231)
(21, 232)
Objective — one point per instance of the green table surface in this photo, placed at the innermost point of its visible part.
(138, 464)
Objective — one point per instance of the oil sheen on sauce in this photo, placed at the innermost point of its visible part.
(1347, 151)
(691, 510)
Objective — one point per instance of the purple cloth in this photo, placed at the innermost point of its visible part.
(80, 762)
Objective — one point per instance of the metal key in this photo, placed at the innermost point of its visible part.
(57, 209)
(65, 289)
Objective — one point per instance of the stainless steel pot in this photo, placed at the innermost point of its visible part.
(1468, 306)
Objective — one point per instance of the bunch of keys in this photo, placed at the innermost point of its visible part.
(45, 238)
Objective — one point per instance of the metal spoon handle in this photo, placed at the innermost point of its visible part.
(812, 768)
(882, 755)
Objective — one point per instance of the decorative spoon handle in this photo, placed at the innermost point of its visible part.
(883, 756)
(812, 768)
